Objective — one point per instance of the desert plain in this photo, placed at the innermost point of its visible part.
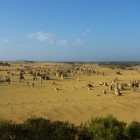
(73, 92)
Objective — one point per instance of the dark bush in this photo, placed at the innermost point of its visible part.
(37, 128)
(42, 129)
(83, 132)
(107, 128)
(11, 131)
(63, 131)
(133, 131)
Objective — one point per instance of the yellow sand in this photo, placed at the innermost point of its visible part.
(19, 101)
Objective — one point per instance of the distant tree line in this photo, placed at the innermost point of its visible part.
(119, 64)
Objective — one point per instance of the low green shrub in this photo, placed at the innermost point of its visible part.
(107, 128)
(45, 129)
(98, 128)
(83, 132)
(133, 131)
(11, 131)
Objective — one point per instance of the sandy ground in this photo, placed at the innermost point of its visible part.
(18, 101)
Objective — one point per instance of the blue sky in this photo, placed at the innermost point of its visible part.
(70, 30)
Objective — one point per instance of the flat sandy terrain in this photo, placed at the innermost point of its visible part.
(72, 101)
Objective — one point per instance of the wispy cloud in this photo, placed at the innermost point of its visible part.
(50, 38)
(62, 42)
(42, 36)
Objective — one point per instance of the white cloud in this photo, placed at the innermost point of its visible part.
(50, 38)
(42, 36)
(62, 42)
